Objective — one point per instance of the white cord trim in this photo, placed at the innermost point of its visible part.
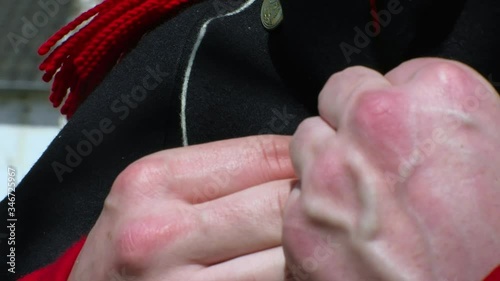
(187, 74)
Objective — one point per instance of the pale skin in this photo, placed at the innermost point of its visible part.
(396, 180)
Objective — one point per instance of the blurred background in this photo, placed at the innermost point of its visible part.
(28, 122)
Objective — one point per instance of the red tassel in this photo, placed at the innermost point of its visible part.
(81, 62)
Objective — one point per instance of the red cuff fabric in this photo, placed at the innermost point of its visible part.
(60, 269)
(494, 276)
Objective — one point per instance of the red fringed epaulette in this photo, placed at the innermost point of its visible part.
(113, 27)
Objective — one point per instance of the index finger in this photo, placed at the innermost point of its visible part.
(205, 172)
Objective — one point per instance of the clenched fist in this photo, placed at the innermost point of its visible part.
(398, 177)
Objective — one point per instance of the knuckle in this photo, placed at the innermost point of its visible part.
(446, 71)
(145, 177)
(378, 111)
(452, 80)
(353, 71)
(359, 70)
(334, 78)
(137, 241)
(306, 127)
(133, 244)
(309, 135)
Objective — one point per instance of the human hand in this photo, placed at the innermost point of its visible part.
(210, 212)
(398, 177)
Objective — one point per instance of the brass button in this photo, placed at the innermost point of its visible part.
(271, 14)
